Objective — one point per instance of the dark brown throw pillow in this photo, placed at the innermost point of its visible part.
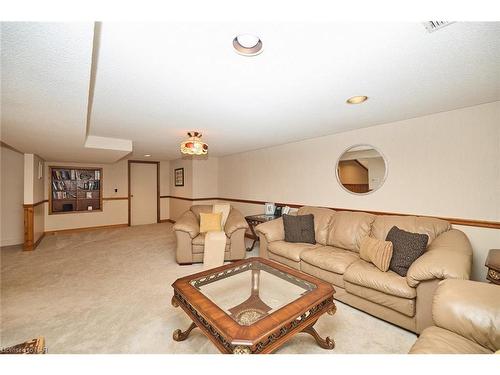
(299, 228)
(406, 248)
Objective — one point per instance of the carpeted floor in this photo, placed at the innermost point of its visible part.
(109, 291)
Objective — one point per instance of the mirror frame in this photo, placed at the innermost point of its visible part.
(358, 145)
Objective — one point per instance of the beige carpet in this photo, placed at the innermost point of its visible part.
(108, 291)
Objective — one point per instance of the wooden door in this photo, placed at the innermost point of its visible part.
(143, 193)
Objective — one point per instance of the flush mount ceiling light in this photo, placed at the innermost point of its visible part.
(193, 145)
(247, 45)
(147, 155)
(357, 99)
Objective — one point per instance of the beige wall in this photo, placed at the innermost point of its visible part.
(205, 178)
(200, 181)
(445, 164)
(185, 191)
(38, 196)
(11, 197)
(29, 160)
(164, 190)
(34, 192)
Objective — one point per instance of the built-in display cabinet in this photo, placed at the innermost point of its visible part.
(75, 190)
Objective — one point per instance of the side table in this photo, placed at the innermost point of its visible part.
(493, 264)
(253, 221)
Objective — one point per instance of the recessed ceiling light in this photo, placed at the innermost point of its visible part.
(147, 156)
(247, 44)
(357, 99)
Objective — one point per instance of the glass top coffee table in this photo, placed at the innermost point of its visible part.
(253, 306)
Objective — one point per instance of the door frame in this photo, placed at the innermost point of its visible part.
(157, 188)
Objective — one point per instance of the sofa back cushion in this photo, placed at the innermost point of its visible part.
(348, 229)
(415, 224)
(322, 220)
(199, 208)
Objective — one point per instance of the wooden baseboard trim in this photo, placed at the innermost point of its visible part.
(76, 230)
(7, 247)
(167, 221)
(115, 198)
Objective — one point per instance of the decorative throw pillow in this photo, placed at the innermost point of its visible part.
(377, 252)
(299, 228)
(407, 247)
(210, 222)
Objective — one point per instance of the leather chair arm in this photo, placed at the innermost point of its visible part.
(471, 309)
(235, 221)
(273, 230)
(449, 256)
(188, 223)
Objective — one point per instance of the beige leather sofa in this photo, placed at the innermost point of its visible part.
(467, 320)
(405, 301)
(191, 243)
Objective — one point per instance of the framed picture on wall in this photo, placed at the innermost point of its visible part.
(179, 177)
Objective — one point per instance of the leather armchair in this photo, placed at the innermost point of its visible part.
(191, 243)
(466, 315)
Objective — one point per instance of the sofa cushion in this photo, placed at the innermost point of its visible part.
(287, 262)
(366, 274)
(402, 305)
(377, 252)
(290, 250)
(330, 258)
(435, 340)
(407, 247)
(299, 228)
(330, 277)
(349, 228)
(322, 219)
(415, 224)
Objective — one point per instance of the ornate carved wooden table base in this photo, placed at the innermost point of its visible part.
(325, 343)
(294, 302)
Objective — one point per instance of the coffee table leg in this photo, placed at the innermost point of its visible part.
(181, 336)
(325, 343)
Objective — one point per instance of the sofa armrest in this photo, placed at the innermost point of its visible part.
(449, 256)
(188, 223)
(273, 230)
(471, 309)
(235, 221)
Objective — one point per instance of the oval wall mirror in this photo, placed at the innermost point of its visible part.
(361, 169)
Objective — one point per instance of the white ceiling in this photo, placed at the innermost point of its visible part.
(156, 81)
